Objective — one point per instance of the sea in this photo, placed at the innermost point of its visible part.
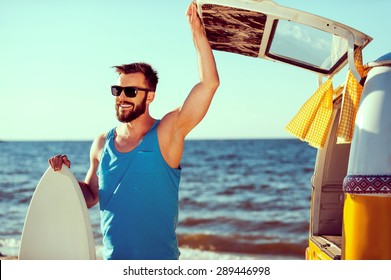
(238, 199)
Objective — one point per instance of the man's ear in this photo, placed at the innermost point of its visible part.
(150, 96)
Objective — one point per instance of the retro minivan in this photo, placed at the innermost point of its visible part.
(350, 211)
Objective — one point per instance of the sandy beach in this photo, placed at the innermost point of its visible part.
(194, 254)
(2, 258)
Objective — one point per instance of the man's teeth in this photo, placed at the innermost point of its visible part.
(125, 105)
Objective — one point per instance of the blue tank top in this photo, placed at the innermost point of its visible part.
(138, 197)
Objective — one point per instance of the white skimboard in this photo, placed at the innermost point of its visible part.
(57, 225)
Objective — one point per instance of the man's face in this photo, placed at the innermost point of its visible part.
(129, 109)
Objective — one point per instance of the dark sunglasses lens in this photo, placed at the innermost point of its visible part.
(116, 91)
(130, 91)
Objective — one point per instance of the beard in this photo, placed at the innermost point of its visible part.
(134, 114)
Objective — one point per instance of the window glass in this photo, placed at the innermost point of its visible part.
(306, 45)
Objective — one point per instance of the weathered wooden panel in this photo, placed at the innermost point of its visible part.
(233, 30)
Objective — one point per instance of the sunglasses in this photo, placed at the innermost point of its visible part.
(129, 91)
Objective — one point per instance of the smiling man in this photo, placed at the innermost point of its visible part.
(135, 169)
(125, 108)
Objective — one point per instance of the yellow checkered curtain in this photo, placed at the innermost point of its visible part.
(351, 99)
(313, 120)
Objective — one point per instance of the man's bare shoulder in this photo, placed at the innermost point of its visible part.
(170, 119)
(100, 139)
(97, 145)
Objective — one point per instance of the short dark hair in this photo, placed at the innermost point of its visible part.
(149, 73)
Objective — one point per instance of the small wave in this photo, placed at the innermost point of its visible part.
(235, 225)
(227, 157)
(219, 222)
(9, 247)
(241, 245)
(193, 222)
(239, 188)
(186, 201)
(25, 200)
(249, 205)
(308, 170)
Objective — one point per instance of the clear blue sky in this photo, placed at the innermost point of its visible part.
(56, 58)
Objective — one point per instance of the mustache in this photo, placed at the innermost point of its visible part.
(124, 103)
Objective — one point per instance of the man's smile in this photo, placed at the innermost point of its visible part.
(125, 105)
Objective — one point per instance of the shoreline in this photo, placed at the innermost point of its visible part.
(195, 254)
(5, 258)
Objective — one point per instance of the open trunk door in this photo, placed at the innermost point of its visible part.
(264, 29)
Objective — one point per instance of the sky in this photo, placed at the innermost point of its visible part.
(56, 61)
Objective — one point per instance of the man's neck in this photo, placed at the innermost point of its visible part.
(137, 128)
